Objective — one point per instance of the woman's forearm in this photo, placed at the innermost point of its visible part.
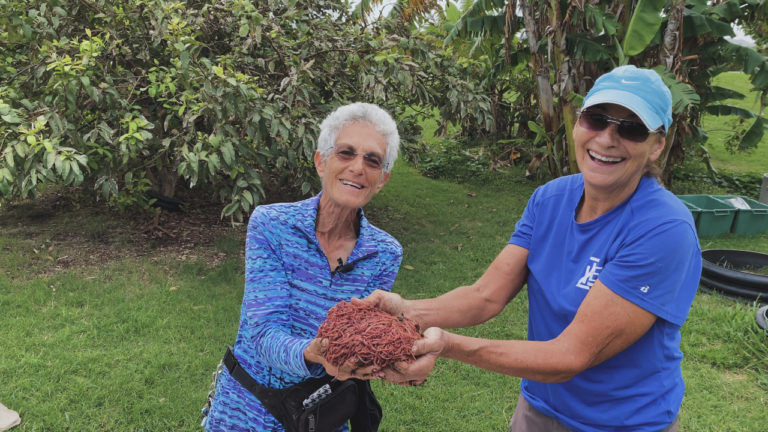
(546, 361)
(474, 304)
(462, 307)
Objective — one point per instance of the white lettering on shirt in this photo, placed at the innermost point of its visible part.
(590, 274)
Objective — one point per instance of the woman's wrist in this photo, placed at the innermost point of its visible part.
(313, 353)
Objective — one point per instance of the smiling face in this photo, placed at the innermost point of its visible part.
(353, 183)
(612, 166)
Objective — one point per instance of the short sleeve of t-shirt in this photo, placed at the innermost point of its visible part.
(524, 227)
(651, 273)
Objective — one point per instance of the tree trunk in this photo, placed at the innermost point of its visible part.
(564, 86)
(671, 48)
(164, 180)
(543, 85)
(670, 56)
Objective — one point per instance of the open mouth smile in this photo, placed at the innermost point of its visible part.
(349, 183)
(604, 159)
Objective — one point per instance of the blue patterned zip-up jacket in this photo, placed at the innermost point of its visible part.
(288, 291)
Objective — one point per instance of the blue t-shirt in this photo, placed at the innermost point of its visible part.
(289, 288)
(646, 250)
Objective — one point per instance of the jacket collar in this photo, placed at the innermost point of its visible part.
(366, 242)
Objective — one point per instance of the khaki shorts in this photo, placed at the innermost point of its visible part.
(527, 419)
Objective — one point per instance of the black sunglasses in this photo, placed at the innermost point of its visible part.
(371, 160)
(627, 129)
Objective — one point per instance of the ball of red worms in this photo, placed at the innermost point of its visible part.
(368, 336)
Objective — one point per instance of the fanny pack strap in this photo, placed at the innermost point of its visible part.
(367, 418)
(269, 397)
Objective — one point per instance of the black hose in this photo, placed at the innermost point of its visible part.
(720, 272)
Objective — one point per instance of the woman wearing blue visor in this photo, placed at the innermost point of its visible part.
(612, 262)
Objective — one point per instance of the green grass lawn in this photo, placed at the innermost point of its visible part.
(129, 342)
(126, 347)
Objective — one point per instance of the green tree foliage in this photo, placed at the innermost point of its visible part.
(755, 24)
(480, 99)
(218, 97)
(572, 43)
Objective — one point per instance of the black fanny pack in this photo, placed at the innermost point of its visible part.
(314, 405)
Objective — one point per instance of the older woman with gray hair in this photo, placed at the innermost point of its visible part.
(301, 259)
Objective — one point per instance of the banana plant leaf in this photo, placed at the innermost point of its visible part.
(591, 49)
(473, 20)
(643, 26)
(724, 110)
(730, 10)
(717, 93)
(683, 95)
(695, 24)
(753, 135)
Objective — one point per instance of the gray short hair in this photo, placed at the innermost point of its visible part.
(360, 112)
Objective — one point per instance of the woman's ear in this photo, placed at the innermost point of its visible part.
(319, 164)
(382, 182)
(659, 147)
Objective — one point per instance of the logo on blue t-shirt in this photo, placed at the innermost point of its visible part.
(590, 274)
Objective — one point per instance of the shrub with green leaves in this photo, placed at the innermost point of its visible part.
(454, 160)
(223, 96)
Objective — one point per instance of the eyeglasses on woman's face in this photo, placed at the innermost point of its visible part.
(628, 129)
(372, 160)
